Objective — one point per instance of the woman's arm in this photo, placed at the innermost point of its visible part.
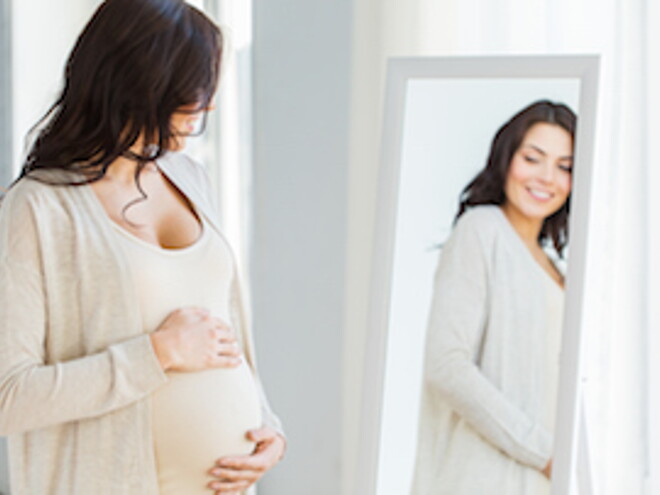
(36, 395)
(457, 321)
(35, 391)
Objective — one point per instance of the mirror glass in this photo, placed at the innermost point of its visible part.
(448, 127)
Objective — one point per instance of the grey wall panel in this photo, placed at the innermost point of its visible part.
(301, 107)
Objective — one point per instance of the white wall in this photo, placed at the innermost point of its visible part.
(43, 34)
(301, 75)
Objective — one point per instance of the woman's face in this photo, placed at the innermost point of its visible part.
(184, 123)
(539, 178)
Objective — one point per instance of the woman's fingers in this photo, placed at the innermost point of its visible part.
(262, 434)
(228, 491)
(191, 339)
(193, 311)
(226, 487)
(221, 324)
(230, 480)
(258, 462)
(236, 475)
(224, 334)
(229, 350)
(269, 449)
(204, 314)
(240, 472)
(226, 362)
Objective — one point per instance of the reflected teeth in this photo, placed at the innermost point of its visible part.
(540, 194)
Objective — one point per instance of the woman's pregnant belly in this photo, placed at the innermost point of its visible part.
(198, 418)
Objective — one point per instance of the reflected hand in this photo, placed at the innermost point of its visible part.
(236, 474)
(547, 470)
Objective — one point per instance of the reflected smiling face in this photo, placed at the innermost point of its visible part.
(539, 178)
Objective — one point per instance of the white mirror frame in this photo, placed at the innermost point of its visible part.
(569, 437)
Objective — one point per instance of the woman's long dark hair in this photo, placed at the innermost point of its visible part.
(487, 188)
(134, 65)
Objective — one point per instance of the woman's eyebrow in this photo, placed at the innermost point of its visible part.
(536, 148)
(539, 150)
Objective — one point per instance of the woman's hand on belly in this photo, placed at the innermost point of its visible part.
(190, 339)
(236, 474)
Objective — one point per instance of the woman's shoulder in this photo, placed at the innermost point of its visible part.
(43, 197)
(26, 202)
(479, 227)
(191, 177)
(181, 166)
(485, 220)
(28, 189)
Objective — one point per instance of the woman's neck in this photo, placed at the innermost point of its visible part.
(123, 169)
(527, 228)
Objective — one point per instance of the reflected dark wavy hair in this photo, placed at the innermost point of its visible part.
(134, 65)
(487, 188)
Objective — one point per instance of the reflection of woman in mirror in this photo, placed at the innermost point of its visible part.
(491, 370)
(126, 363)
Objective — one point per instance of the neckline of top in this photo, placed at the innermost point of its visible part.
(160, 249)
(518, 241)
(101, 213)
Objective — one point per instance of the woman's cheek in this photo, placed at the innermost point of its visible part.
(567, 184)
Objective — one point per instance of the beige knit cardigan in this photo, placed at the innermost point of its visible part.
(76, 366)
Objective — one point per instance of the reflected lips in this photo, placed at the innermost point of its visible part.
(539, 195)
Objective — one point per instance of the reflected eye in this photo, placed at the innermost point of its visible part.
(566, 168)
(530, 159)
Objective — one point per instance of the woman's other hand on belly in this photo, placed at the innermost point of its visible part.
(190, 339)
(236, 474)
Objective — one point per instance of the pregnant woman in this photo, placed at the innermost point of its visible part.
(126, 361)
(492, 350)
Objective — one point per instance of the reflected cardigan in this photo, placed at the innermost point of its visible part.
(76, 366)
(491, 366)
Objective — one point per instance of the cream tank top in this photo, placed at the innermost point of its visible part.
(202, 416)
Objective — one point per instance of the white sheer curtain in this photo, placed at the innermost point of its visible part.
(652, 121)
(226, 146)
(619, 371)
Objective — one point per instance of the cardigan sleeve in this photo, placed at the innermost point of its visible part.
(456, 332)
(35, 393)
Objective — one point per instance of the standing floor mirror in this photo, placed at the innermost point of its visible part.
(473, 365)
